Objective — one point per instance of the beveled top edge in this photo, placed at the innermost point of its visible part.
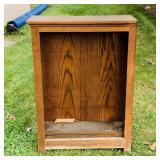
(113, 19)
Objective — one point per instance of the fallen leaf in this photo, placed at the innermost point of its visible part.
(11, 116)
(28, 129)
(146, 142)
(151, 62)
(152, 146)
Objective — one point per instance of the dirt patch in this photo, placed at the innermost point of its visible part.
(8, 42)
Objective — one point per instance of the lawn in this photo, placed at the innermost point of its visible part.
(20, 124)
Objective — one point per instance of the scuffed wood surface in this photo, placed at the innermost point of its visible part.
(84, 128)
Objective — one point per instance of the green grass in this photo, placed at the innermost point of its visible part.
(19, 86)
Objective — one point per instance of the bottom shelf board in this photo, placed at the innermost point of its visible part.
(83, 129)
(85, 143)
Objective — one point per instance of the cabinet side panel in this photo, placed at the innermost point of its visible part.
(39, 88)
(129, 86)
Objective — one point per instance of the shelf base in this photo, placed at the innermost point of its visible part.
(83, 135)
(107, 129)
(85, 143)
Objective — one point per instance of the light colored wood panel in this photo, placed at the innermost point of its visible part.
(109, 19)
(84, 143)
(64, 120)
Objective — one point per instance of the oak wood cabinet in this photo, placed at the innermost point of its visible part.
(84, 70)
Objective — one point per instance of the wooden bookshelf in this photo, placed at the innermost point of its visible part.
(84, 70)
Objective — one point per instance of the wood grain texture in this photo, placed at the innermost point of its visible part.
(84, 69)
(85, 142)
(61, 78)
(84, 75)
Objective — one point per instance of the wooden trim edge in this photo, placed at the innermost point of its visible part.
(84, 143)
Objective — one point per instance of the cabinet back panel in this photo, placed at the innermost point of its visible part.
(84, 75)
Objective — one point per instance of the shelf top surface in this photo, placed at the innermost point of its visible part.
(51, 20)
